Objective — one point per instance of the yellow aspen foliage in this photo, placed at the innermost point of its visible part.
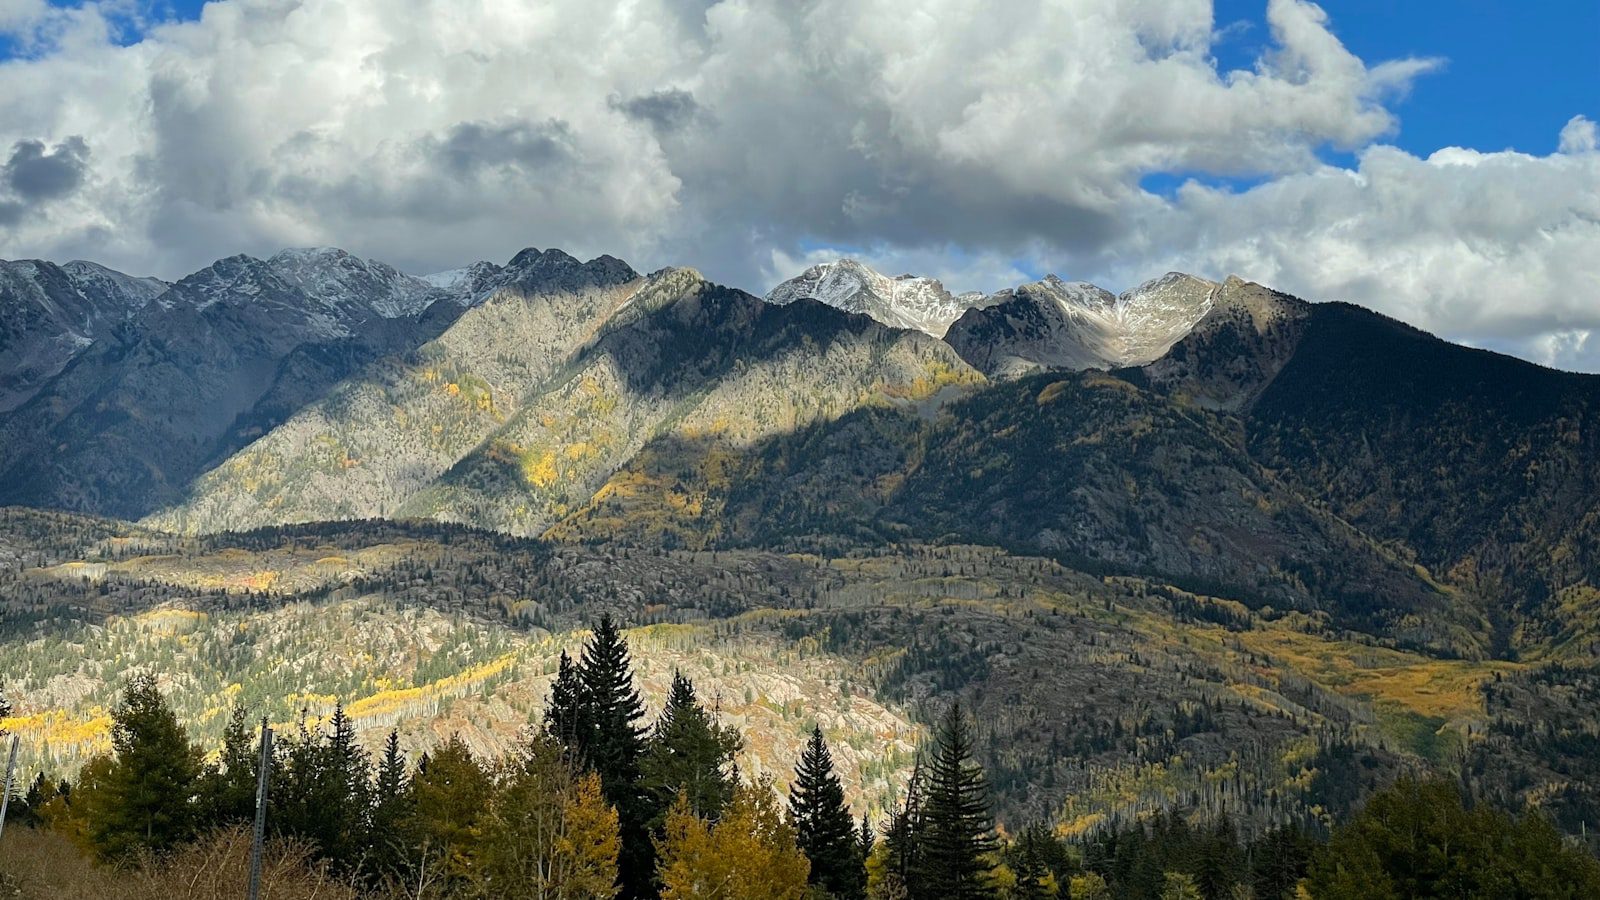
(749, 854)
(548, 834)
(1088, 887)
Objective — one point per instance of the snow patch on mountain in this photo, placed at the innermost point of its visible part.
(907, 301)
(335, 277)
(1056, 324)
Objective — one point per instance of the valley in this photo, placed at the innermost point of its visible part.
(1201, 547)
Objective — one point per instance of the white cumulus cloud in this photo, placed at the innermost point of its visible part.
(971, 139)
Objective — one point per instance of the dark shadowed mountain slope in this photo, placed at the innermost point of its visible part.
(49, 314)
(1484, 466)
(125, 426)
(1083, 467)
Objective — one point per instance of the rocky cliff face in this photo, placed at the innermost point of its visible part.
(1055, 324)
(49, 314)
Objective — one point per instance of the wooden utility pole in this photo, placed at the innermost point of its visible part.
(262, 776)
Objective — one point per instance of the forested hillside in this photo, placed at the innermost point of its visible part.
(592, 802)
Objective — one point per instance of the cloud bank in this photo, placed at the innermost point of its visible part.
(971, 140)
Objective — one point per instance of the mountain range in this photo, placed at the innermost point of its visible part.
(1212, 448)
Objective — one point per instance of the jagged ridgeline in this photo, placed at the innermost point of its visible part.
(1199, 545)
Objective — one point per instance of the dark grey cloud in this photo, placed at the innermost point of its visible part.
(470, 147)
(665, 110)
(35, 173)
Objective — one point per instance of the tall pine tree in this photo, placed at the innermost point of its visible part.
(151, 789)
(563, 715)
(689, 754)
(955, 833)
(324, 792)
(594, 710)
(448, 798)
(825, 831)
(229, 793)
(391, 810)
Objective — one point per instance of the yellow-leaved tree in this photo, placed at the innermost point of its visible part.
(548, 833)
(748, 854)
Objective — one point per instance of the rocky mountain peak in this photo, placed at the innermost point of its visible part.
(1057, 324)
(906, 301)
(1159, 313)
(50, 313)
(335, 277)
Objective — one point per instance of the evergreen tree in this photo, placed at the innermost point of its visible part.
(1038, 862)
(1219, 867)
(391, 810)
(609, 709)
(822, 823)
(448, 796)
(690, 755)
(602, 714)
(956, 832)
(563, 715)
(229, 792)
(1417, 839)
(1280, 860)
(149, 794)
(323, 794)
(866, 840)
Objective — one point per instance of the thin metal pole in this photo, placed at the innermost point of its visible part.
(5, 796)
(261, 810)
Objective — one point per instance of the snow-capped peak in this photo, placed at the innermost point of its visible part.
(448, 280)
(1059, 324)
(907, 301)
(335, 277)
(1159, 313)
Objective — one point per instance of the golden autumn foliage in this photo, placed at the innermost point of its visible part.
(547, 834)
(749, 854)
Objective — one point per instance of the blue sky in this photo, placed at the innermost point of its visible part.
(1514, 73)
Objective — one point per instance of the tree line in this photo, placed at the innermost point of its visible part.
(597, 804)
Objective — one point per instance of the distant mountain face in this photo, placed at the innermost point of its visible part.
(216, 360)
(1240, 439)
(49, 314)
(1048, 324)
(531, 400)
(909, 301)
(1055, 324)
